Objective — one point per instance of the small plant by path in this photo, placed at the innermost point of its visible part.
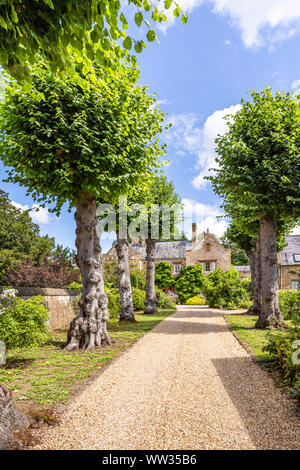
(44, 377)
(254, 341)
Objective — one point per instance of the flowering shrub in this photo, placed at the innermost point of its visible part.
(197, 300)
(22, 322)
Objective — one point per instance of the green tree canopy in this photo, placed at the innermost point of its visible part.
(99, 138)
(57, 29)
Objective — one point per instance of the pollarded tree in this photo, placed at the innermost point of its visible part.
(89, 29)
(80, 146)
(259, 171)
(160, 214)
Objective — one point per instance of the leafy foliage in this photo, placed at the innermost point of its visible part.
(189, 282)
(75, 286)
(58, 29)
(19, 237)
(289, 303)
(240, 244)
(48, 274)
(163, 275)
(224, 289)
(163, 300)
(259, 158)
(99, 137)
(285, 351)
(196, 300)
(23, 322)
(138, 297)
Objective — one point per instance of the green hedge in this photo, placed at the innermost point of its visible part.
(23, 323)
(225, 289)
(289, 303)
(189, 282)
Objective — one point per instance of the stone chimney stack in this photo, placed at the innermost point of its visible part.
(194, 233)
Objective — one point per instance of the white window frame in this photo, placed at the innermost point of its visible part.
(295, 281)
(177, 267)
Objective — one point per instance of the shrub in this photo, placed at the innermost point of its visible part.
(163, 275)
(246, 304)
(224, 289)
(289, 303)
(172, 296)
(23, 322)
(163, 301)
(114, 305)
(197, 300)
(284, 348)
(189, 282)
(48, 274)
(75, 286)
(137, 276)
(138, 297)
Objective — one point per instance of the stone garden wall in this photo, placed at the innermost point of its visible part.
(61, 303)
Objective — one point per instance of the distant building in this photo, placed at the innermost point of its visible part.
(289, 264)
(207, 251)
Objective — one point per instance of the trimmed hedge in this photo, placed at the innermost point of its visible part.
(197, 300)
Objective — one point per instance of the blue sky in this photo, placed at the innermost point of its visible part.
(200, 72)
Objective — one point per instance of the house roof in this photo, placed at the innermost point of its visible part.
(293, 248)
(166, 250)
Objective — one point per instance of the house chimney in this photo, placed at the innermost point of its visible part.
(194, 233)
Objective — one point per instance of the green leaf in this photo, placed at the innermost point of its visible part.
(151, 35)
(3, 23)
(14, 15)
(127, 43)
(95, 36)
(138, 18)
(177, 11)
(168, 3)
(138, 47)
(184, 18)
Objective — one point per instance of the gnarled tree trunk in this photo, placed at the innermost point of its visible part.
(88, 330)
(127, 312)
(255, 262)
(270, 313)
(11, 419)
(151, 300)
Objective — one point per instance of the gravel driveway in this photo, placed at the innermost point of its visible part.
(187, 384)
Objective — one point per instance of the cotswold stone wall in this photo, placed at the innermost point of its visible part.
(61, 303)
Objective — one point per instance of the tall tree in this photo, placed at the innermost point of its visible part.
(259, 171)
(159, 193)
(79, 146)
(58, 29)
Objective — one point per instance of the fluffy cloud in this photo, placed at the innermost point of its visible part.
(214, 125)
(206, 217)
(260, 21)
(39, 215)
(296, 86)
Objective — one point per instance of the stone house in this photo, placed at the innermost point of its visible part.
(289, 264)
(207, 251)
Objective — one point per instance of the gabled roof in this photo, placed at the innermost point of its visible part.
(293, 248)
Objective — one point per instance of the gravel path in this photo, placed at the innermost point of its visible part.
(187, 384)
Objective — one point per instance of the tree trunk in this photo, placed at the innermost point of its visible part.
(270, 314)
(127, 311)
(88, 330)
(151, 300)
(11, 419)
(255, 262)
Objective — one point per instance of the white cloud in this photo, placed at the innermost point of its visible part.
(296, 86)
(214, 125)
(206, 217)
(39, 215)
(260, 21)
(185, 135)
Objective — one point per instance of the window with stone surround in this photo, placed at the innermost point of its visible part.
(295, 285)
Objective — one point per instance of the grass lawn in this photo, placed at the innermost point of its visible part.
(244, 328)
(43, 377)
